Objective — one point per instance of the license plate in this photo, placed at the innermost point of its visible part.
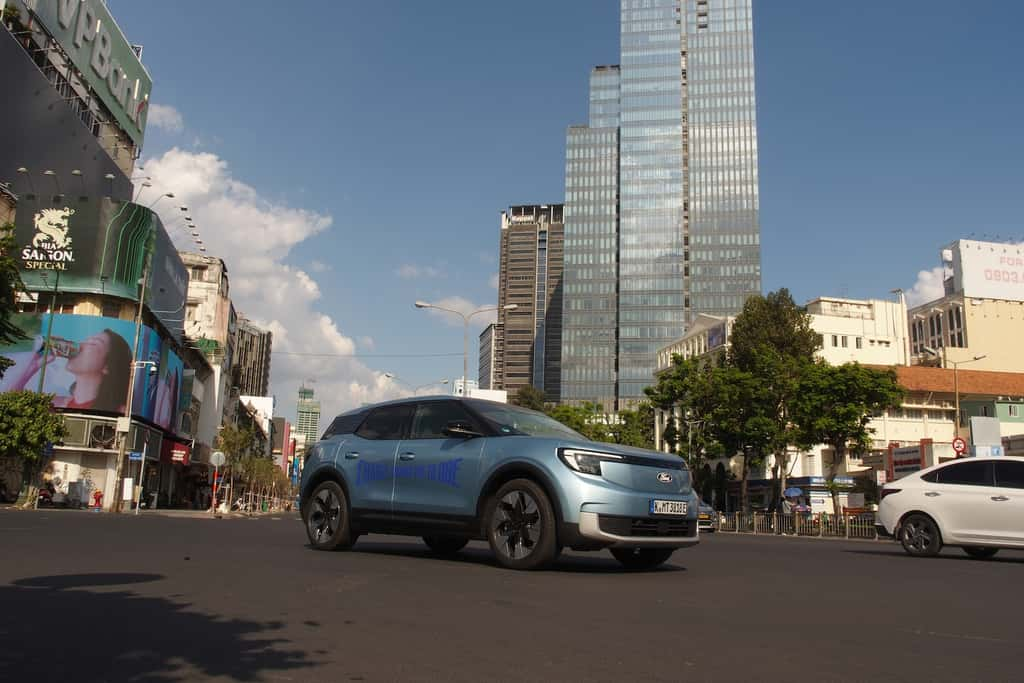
(705, 517)
(668, 507)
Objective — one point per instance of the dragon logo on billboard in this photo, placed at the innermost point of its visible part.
(51, 245)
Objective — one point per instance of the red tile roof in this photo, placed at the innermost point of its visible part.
(978, 382)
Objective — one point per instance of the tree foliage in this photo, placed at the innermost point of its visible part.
(10, 285)
(833, 406)
(28, 423)
(772, 339)
(236, 443)
(529, 397)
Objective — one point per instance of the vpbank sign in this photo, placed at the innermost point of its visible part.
(109, 65)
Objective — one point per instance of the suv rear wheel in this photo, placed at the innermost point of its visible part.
(520, 526)
(327, 520)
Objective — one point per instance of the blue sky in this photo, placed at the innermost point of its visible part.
(389, 135)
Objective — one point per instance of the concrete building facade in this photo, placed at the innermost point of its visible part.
(527, 341)
(253, 347)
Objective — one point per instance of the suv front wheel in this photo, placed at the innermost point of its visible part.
(520, 526)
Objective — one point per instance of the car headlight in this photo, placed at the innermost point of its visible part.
(587, 462)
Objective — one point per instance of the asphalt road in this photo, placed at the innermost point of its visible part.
(90, 597)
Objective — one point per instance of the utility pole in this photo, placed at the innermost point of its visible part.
(49, 330)
(126, 421)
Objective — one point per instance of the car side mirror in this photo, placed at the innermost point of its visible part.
(460, 430)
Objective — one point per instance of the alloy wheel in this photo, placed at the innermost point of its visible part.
(517, 524)
(325, 516)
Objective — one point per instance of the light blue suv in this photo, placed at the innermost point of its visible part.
(453, 469)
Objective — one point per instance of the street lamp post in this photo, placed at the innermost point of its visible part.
(465, 334)
(956, 380)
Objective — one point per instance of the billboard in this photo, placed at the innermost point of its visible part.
(101, 53)
(99, 246)
(988, 270)
(716, 336)
(89, 366)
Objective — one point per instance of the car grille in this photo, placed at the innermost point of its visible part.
(645, 526)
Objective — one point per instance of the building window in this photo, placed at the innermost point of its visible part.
(860, 343)
(845, 342)
(1014, 411)
(198, 273)
(835, 341)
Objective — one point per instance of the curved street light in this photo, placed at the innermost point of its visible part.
(465, 335)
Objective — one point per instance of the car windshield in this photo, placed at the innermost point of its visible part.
(511, 421)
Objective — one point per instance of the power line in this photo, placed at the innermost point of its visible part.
(366, 355)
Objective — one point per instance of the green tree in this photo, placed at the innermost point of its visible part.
(237, 444)
(28, 423)
(740, 420)
(833, 406)
(772, 339)
(529, 397)
(586, 419)
(634, 427)
(683, 391)
(10, 285)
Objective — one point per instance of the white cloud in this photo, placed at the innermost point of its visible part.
(410, 271)
(254, 237)
(367, 343)
(464, 306)
(927, 288)
(165, 117)
(319, 267)
(493, 282)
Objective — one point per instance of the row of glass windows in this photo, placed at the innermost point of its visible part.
(589, 288)
(648, 132)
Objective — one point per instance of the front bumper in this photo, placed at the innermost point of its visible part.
(638, 532)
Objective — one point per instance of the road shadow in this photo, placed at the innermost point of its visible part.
(948, 555)
(591, 563)
(56, 628)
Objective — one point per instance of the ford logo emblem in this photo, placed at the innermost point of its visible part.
(664, 477)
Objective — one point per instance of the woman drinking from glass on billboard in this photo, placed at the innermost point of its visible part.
(101, 365)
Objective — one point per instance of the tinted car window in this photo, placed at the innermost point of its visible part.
(386, 423)
(431, 419)
(345, 424)
(967, 474)
(1010, 474)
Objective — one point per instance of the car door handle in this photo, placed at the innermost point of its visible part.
(999, 499)
(351, 455)
(407, 456)
(932, 494)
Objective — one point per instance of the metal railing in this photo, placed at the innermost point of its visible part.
(859, 525)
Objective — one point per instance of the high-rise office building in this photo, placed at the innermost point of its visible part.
(527, 341)
(488, 357)
(307, 415)
(252, 358)
(661, 216)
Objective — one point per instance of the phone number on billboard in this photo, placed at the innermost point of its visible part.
(1013, 276)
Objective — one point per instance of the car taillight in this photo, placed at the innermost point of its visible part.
(886, 492)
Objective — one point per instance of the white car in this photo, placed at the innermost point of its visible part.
(974, 503)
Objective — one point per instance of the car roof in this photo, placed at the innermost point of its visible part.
(421, 399)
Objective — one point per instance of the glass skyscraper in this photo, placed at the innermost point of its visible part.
(661, 211)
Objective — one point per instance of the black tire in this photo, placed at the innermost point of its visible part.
(979, 553)
(639, 559)
(920, 536)
(521, 526)
(445, 545)
(326, 518)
